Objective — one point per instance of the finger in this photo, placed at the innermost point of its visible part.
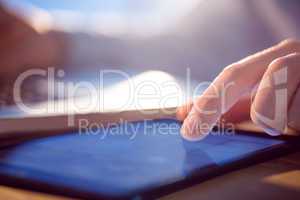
(182, 111)
(293, 114)
(283, 48)
(234, 82)
(240, 111)
(270, 106)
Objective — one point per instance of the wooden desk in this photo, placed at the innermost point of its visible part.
(276, 179)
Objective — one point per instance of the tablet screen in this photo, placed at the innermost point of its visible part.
(126, 160)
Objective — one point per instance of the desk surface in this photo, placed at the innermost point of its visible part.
(275, 179)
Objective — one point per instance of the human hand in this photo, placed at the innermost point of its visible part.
(271, 78)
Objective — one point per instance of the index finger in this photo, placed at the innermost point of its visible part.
(229, 86)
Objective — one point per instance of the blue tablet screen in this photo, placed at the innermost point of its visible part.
(126, 159)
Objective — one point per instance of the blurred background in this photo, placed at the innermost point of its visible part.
(174, 34)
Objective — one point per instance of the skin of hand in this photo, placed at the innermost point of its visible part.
(23, 47)
(263, 87)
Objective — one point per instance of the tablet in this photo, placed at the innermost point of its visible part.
(136, 160)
